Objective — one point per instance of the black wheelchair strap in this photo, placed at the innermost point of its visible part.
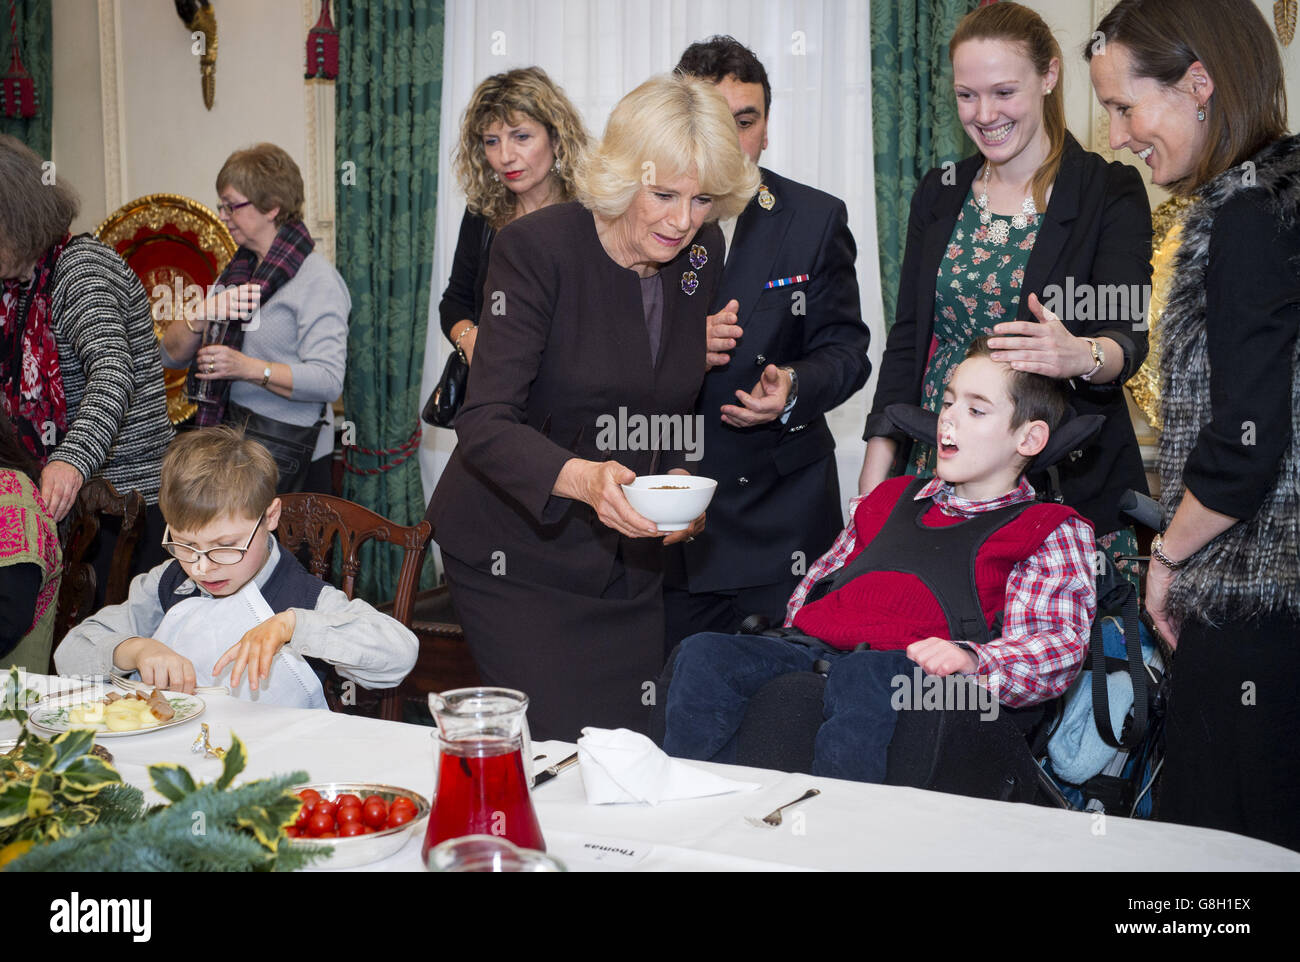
(1113, 590)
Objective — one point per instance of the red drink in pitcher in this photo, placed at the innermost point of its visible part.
(482, 791)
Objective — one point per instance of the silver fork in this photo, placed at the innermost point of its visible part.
(131, 687)
(773, 819)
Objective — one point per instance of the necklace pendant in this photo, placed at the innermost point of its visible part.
(999, 232)
(1019, 222)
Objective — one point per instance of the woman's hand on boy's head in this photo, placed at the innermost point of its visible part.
(158, 665)
(938, 656)
(256, 650)
(1042, 347)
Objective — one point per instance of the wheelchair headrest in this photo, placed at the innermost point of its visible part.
(1074, 433)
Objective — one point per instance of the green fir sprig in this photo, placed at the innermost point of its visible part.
(206, 828)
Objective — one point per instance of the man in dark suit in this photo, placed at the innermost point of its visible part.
(786, 345)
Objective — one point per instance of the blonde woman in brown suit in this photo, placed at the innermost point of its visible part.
(593, 310)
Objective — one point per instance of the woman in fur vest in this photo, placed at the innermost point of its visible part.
(1195, 89)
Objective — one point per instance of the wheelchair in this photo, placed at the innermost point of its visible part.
(959, 751)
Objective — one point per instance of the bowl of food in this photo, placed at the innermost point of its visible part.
(362, 822)
(671, 501)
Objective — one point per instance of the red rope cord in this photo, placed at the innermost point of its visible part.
(406, 449)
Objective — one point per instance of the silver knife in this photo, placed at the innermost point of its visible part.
(546, 774)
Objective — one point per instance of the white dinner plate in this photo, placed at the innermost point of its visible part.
(53, 717)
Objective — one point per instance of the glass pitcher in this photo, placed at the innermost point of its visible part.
(481, 788)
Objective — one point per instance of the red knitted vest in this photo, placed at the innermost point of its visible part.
(889, 609)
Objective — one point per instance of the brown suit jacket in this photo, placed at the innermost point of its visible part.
(562, 342)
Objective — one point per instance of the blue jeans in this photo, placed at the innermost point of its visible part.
(716, 675)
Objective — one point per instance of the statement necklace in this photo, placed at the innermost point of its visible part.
(999, 229)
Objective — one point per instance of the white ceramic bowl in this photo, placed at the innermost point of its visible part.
(362, 849)
(671, 501)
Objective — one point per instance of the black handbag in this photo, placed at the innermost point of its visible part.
(291, 445)
(449, 393)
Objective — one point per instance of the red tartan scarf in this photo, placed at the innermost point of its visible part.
(290, 248)
(31, 387)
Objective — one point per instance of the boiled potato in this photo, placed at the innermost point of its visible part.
(122, 721)
(91, 713)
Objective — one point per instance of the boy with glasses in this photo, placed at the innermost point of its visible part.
(218, 498)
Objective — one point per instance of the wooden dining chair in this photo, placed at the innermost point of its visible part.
(445, 660)
(96, 499)
(314, 522)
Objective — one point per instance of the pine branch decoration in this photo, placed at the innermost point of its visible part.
(206, 827)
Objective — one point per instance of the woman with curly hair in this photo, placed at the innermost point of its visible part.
(520, 142)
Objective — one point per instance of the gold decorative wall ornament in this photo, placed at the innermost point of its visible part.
(1284, 14)
(199, 17)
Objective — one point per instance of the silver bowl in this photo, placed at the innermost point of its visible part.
(363, 849)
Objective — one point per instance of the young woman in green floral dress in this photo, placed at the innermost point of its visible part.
(1032, 218)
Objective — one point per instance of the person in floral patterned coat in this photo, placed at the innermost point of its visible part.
(31, 564)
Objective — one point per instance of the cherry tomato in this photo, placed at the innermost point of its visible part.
(309, 795)
(367, 830)
(351, 829)
(325, 808)
(293, 831)
(319, 824)
(371, 799)
(347, 799)
(375, 814)
(330, 835)
(398, 816)
(349, 813)
(401, 801)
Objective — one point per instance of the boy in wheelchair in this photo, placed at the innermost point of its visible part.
(966, 574)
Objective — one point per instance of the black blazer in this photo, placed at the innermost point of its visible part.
(463, 298)
(1096, 231)
(570, 347)
(778, 490)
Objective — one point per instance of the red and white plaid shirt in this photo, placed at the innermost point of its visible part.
(1050, 603)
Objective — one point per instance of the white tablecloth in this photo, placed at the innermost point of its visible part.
(850, 826)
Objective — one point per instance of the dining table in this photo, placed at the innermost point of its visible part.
(849, 826)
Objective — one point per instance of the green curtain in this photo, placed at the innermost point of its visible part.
(914, 124)
(388, 97)
(36, 41)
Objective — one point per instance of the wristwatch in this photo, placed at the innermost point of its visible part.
(266, 375)
(794, 390)
(1098, 359)
(1158, 553)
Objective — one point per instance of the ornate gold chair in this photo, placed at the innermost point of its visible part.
(172, 243)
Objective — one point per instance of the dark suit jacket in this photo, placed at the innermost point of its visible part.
(778, 491)
(463, 297)
(570, 347)
(1096, 231)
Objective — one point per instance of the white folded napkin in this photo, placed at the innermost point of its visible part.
(620, 766)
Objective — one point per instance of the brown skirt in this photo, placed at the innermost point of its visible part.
(582, 661)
